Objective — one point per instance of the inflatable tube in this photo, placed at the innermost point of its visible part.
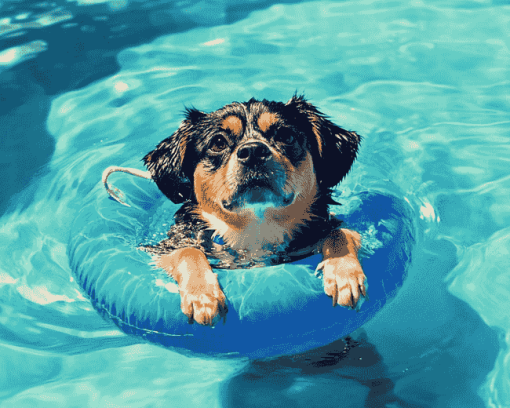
(273, 310)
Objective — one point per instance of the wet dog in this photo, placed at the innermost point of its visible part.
(255, 181)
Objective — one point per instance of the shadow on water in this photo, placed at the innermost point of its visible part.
(25, 144)
(349, 372)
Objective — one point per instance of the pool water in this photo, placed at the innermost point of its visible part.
(90, 85)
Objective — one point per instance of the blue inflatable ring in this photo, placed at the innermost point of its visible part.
(272, 311)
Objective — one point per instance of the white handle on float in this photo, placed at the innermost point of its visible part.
(114, 192)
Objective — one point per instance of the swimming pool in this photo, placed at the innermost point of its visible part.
(88, 85)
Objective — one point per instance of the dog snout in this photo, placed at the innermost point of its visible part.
(253, 153)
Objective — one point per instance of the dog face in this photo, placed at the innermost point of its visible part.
(255, 163)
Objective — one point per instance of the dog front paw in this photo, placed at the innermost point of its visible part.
(202, 300)
(344, 280)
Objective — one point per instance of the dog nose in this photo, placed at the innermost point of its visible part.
(253, 153)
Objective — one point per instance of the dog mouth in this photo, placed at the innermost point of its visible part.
(258, 196)
(258, 190)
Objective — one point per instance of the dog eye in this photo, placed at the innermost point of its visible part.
(285, 136)
(218, 144)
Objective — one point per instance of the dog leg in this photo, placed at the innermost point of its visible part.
(202, 299)
(344, 279)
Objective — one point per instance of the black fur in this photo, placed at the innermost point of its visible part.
(173, 161)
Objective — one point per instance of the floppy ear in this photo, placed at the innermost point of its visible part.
(333, 149)
(167, 162)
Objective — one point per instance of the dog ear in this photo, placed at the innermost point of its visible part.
(168, 162)
(333, 149)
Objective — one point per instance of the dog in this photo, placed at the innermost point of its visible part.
(255, 182)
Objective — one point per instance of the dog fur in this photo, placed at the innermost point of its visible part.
(257, 176)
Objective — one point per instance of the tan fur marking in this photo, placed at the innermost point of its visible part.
(316, 128)
(344, 280)
(266, 120)
(341, 242)
(233, 124)
(201, 296)
(183, 144)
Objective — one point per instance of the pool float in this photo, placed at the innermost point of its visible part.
(275, 310)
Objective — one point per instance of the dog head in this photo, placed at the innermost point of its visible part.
(256, 162)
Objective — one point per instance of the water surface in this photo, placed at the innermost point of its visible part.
(427, 86)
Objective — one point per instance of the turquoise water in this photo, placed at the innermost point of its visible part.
(426, 84)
